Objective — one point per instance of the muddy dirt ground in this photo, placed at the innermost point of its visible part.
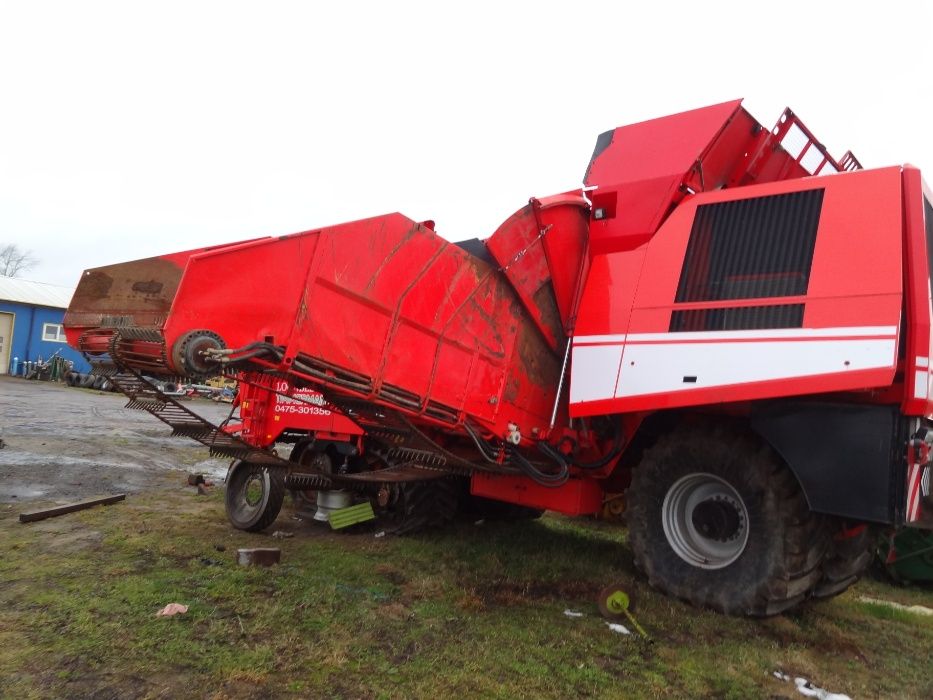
(64, 444)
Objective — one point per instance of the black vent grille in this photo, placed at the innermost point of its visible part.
(741, 318)
(751, 248)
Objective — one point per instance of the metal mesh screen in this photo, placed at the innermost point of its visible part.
(751, 248)
(738, 318)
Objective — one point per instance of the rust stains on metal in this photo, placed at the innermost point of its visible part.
(303, 314)
(547, 306)
(467, 262)
(147, 285)
(411, 233)
(539, 364)
(496, 352)
(95, 284)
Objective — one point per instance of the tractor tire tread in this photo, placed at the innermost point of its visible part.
(770, 576)
(845, 562)
(425, 505)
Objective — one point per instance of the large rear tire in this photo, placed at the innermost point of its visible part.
(717, 519)
(254, 496)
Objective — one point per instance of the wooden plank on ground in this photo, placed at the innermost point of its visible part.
(69, 508)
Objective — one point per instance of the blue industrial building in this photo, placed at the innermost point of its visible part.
(31, 324)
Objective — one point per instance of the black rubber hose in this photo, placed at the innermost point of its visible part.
(253, 350)
(254, 346)
(535, 474)
(226, 421)
(548, 451)
(618, 443)
(249, 351)
(485, 450)
(232, 359)
(356, 386)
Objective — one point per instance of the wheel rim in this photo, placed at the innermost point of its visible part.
(253, 490)
(705, 521)
(252, 494)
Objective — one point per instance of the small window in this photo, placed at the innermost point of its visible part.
(53, 332)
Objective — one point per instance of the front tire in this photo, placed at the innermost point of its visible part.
(254, 496)
(717, 519)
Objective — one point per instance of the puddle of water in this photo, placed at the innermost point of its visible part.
(215, 468)
(24, 492)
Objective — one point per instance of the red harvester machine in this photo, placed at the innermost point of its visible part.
(740, 346)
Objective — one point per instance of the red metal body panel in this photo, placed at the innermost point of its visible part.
(141, 290)
(267, 411)
(918, 397)
(855, 283)
(575, 497)
(395, 311)
(857, 260)
(541, 249)
(639, 174)
(658, 149)
(646, 169)
(244, 292)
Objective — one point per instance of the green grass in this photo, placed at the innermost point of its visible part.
(473, 611)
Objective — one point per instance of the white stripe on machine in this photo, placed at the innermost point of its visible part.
(606, 367)
(921, 384)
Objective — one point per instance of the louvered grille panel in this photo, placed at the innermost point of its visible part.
(740, 318)
(751, 248)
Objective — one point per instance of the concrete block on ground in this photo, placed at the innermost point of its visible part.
(258, 556)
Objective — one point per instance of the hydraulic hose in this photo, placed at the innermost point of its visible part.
(229, 356)
(618, 442)
(485, 450)
(535, 474)
(548, 451)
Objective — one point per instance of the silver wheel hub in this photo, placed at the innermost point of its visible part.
(705, 521)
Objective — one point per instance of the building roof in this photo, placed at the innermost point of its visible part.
(35, 293)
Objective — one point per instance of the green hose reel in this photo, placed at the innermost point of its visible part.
(907, 554)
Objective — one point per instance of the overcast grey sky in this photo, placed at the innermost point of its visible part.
(131, 129)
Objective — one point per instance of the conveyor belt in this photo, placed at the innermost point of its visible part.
(419, 457)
